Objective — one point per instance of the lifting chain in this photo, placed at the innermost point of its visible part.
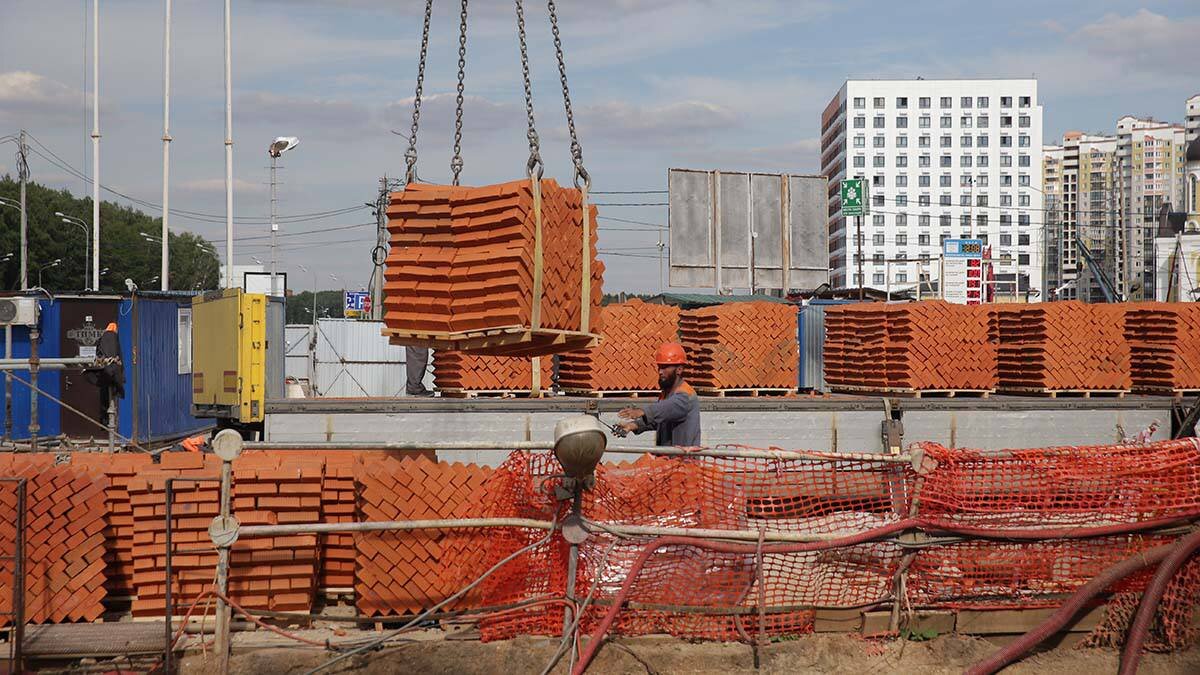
(456, 163)
(410, 155)
(582, 179)
(534, 166)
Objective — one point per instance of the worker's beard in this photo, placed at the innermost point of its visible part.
(667, 380)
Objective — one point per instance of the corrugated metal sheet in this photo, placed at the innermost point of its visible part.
(298, 354)
(158, 398)
(49, 417)
(276, 347)
(353, 358)
(810, 336)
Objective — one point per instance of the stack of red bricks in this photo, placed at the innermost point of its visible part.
(65, 521)
(276, 573)
(624, 360)
(339, 504)
(855, 350)
(404, 572)
(939, 345)
(462, 259)
(741, 345)
(120, 469)
(461, 372)
(1056, 346)
(1164, 341)
(194, 506)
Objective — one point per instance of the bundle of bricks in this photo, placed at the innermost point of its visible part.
(339, 504)
(1062, 346)
(855, 349)
(740, 345)
(65, 522)
(276, 573)
(935, 345)
(623, 361)
(120, 469)
(462, 262)
(458, 372)
(1164, 339)
(405, 572)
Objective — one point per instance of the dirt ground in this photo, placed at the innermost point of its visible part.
(652, 655)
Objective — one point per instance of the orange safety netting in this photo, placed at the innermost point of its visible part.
(997, 522)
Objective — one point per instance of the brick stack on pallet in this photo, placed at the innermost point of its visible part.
(1062, 347)
(458, 373)
(120, 468)
(936, 345)
(1164, 341)
(748, 346)
(855, 350)
(624, 360)
(405, 572)
(276, 573)
(65, 522)
(461, 271)
(339, 504)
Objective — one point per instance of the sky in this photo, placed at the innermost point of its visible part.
(655, 84)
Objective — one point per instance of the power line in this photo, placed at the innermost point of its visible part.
(632, 222)
(632, 204)
(627, 192)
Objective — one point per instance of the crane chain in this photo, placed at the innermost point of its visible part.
(581, 173)
(456, 163)
(410, 155)
(534, 165)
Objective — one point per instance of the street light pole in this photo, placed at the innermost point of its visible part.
(46, 267)
(165, 273)
(222, 610)
(95, 142)
(280, 145)
(23, 174)
(71, 220)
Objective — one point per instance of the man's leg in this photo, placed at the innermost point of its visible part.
(416, 360)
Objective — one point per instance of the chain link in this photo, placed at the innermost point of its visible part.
(456, 163)
(581, 173)
(535, 156)
(410, 155)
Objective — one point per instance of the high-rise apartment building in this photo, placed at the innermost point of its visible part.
(1150, 173)
(1192, 119)
(1052, 204)
(942, 159)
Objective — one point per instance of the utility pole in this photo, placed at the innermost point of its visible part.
(377, 254)
(23, 174)
(96, 144)
(228, 172)
(165, 272)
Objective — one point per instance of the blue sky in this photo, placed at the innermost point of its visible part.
(655, 84)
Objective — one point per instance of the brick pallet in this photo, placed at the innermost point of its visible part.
(120, 468)
(65, 521)
(624, 360)
(741, 345)
(1164, 339)
(469, 269)
(405, 572)
(1062, 347)
(456, 372)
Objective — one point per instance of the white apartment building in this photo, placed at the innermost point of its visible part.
(1150, 174)
(1192, 119)
(943, 159)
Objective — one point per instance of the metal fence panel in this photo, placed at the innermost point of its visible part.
(692, 244)
(352, 358)
(808, 218)
(298, 356)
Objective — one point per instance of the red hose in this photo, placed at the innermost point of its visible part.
(1139, 630)
(1069, 609)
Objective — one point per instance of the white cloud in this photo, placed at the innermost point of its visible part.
(29, 99)
(620, 121)
(302, 116)
(798, 156)
(437, 114)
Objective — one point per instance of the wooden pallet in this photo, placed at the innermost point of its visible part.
(493, 393)
(915, 393)
(506, 341)
(750, 392)
(612, 393)
(1167, 391)
(1066, 393)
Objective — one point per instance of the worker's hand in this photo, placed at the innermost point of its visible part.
(627, 428)
(631, 413)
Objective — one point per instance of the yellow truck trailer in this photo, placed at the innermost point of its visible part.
(237, 357)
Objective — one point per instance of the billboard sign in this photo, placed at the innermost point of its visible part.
(852, 197)
(962, 271)
(356, 304)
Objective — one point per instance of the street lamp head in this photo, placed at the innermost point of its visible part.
(281, 145)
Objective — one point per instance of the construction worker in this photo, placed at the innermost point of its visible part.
(109, 373)
(675, 418)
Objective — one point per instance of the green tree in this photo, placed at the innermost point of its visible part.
(300, 306)
(123, 250)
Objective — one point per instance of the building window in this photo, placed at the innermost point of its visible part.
(1023, 180)
(860, 122)
(923, 239)
(981, 221)
(877, 141)
(901, 219)
(965, 122)
(946, 161)
(964, 200)
(1022, 258)
(944, 221)
(901, 181)
(924, 122)
(1005, 180)
(878, 161)
(1023, 160)
(878, 199)
(944, 200)
(901, 200)
(923, 161)
(901, 277)
(1005, 141)
(1023, 141)
(923, 200)
(1023, 239)
(902, 161)
(901, 239)
(1005, 101)
(1006, 200)
(901, 122)
(857, 278)
(965, 221)
(947, 101)
(983, 237)
(860, 161)
(902, 141)
(923, 220)
(923, 180)
(1005, 220)
(947, 121)
(944, 180)
(1023, 121)
(860, 102)
(947, 141)
(1006, 121)
(1022, 219)
(943, 237)
(901, 101)
(981, 200)
(924, 102)
(879, 102)
(1005, 160)
(982, 180)
(965, 102)
(923, 141)
(877, 181)
(877, 278)
(965, 161)
(1026, 101)
(982, 161)
(982, 102)
(966, 141)
(1005, 239)
(1023, 200)
(877, 238)
(860, 141)
(982, 122)
(879, 122)
(982, 141)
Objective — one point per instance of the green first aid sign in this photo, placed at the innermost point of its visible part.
(852, 197)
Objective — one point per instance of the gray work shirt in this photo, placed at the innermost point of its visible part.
(675, 418)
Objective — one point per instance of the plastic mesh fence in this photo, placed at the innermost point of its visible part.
(997, 522)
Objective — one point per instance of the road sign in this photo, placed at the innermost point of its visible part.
(852, 197)
(357, 304)
(962, 271)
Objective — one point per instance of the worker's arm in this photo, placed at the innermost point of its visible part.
(671, 410)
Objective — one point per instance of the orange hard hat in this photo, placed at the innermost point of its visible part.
(670, 354)
(112, 325)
